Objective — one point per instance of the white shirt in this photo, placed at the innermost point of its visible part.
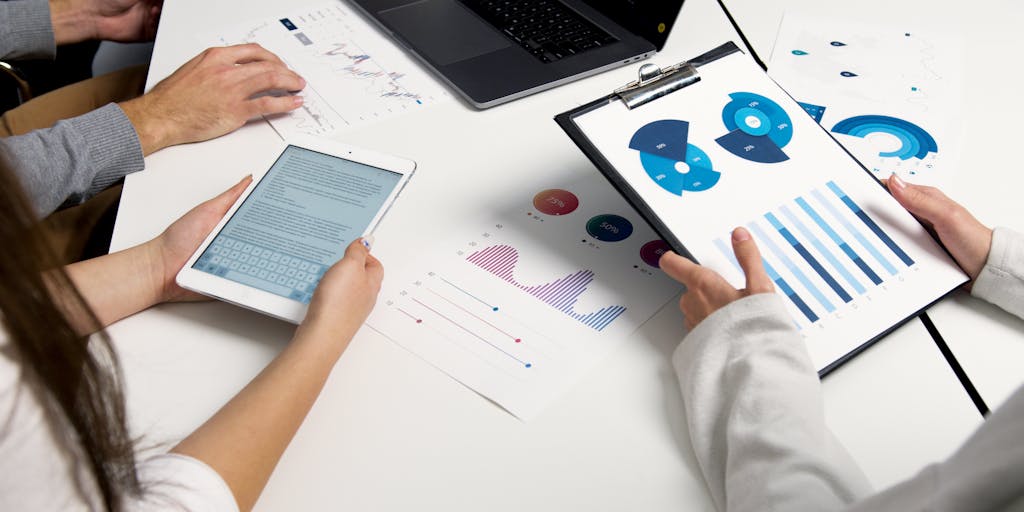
(37, 474)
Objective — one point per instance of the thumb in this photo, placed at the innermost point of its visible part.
(749, 258)
(225, 199)
(358, 251)
(927, 203)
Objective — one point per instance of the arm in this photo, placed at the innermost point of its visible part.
(75, 159)
(245, 439)
(752, 398)
(26, 31)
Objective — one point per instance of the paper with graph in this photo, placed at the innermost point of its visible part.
(519, 306)
(733, 150)
(354, 74)
(890, 94)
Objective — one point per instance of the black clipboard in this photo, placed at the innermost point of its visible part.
(654, 83)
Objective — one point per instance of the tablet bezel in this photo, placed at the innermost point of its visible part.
(262, 301)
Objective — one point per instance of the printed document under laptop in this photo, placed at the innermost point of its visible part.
(494, 51)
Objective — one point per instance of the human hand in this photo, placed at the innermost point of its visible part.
(967, 239)
(112, 20)
(171, 250)
(213, 94)
(706, 291)
(346, 294)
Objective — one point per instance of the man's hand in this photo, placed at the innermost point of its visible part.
(706, 291)
(213, 94)
(111, 20)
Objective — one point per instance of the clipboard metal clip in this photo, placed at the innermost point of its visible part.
(655, 82)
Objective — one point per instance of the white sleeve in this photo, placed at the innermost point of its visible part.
(755, 413)
(173, 481)
(1001, 282)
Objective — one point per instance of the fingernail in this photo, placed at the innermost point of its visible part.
(895, 180)
(368, 242)
(298, 100)
(740, 235)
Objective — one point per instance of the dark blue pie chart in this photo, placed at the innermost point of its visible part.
(758, 128)
(670, 160)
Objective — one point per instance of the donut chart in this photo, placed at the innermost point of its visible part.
(915, 142)
(758, 128)
(670, 160)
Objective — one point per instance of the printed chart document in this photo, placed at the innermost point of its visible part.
(354, 74)
(891, 95)
(518, 307)
(733, 150)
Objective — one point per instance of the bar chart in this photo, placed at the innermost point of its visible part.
(823, 251)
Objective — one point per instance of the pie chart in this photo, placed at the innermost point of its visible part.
(670, 160)
(914, 141)
(758, 128)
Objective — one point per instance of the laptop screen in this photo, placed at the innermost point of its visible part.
(650, 19)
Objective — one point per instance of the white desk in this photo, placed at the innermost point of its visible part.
(391, 432)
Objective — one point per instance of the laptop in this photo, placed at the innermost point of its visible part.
(495, 51)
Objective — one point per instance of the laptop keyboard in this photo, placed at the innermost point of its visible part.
(548, 29)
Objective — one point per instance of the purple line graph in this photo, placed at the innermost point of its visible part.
(561, 294)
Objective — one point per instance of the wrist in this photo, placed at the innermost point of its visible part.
(72, 23)
(151, 130)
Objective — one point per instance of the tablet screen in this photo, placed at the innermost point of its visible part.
(297, 222)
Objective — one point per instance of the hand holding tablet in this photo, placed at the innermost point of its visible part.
(292, 224)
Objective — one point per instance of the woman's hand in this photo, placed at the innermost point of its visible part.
(706, 291)
(346, 294)
(172, 249)
(967, 239)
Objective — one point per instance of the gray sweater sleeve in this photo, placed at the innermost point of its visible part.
(75, 159)
(26, 31)
(753, 405)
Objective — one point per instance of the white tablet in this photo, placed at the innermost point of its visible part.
(293, 222)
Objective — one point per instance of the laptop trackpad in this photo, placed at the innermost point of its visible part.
(443, 30)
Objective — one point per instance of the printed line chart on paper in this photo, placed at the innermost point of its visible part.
(518, 305)
(354, 74)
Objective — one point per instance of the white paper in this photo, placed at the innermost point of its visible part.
(354, 74)
(519, 307)
(862, 281)
(890, 94)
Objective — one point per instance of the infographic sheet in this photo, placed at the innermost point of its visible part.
(518, 307)
(354, 74)
(733, 150)
(891, 95)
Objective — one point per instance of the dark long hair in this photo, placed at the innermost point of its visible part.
(78, 381)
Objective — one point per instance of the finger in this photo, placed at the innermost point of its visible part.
(273, 105)
(257, 77)
(749, 258)
(357, 252)
(927, 203)
(679, 268)
(247, 53)
(225, 199)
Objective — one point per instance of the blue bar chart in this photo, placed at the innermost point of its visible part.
(812, 250)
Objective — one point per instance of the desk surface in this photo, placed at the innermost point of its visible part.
(391, 432)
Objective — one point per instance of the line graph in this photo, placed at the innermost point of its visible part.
(561, 294)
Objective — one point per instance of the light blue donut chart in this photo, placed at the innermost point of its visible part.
(662, 146)
(758, 128)
(781, 126)
(915, 142)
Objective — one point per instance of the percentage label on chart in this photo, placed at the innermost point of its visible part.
(609, 228)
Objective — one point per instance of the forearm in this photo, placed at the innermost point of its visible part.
(75, 159)
(116, 285)
(754, 408)
(245, 439)
(1001, 281)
